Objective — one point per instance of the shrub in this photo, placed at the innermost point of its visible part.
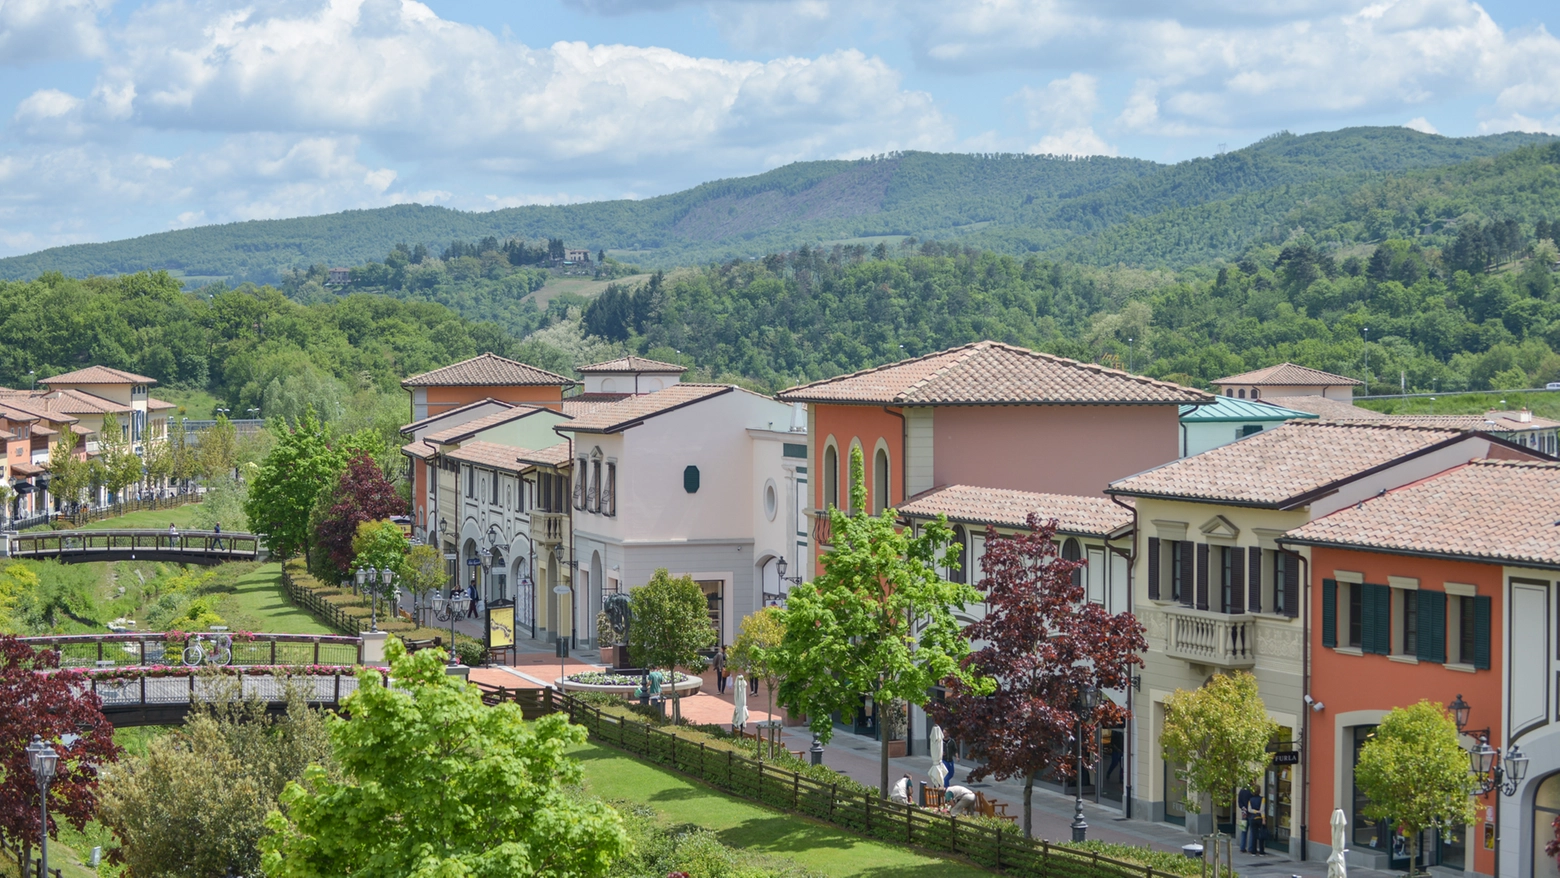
(691, 850)
(1160, 861)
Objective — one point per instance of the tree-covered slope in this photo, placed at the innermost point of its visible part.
(1012, 203)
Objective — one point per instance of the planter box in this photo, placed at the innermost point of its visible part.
(897, 749)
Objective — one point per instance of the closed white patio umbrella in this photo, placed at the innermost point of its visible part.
(938, 772)
(1337, 866)
(739, 715)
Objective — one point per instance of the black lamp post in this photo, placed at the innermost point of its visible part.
(1484, 761)
(43, 761)
(1083, 706)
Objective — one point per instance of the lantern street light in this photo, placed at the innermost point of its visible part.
(393, 595)
(1485, 762)
(1088, 698)
(43, 761)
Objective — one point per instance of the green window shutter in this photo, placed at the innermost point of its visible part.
(1254, 581)
(1376, 624)
(1481, 631)
(1188, 574)
(1153, 568)
(1292, 586)
(1329, 612)
(1237, 580)
(1432, 625)
(1202, 576)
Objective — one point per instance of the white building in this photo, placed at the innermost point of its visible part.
(700, 479)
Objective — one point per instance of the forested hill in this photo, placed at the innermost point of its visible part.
(1010, 203)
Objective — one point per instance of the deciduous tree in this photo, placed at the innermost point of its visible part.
(878, 622)
(671, 625)
(422, 571)
(361, 494)
(53, 706)
(439, 784)
(216, 450)
(298, 468)
(753, 653)
(68, 474)
(1415, 773)
(120, 467)
(1043, 643)
(1220, 732)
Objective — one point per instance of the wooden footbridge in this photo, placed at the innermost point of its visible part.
(182, 547)
(152, 680)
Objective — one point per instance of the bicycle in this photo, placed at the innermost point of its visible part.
(218, 652)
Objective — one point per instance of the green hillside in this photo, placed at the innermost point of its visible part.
(1008, 203)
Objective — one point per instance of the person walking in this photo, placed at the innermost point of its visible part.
(471, 612)
(217, 529)
(753, 685)
(720, 670)
(1243, 814)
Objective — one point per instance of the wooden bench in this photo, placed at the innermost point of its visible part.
(990, 808)
(431, 643)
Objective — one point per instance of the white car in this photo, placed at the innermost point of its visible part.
(1553, 385)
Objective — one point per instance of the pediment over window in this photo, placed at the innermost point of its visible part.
(1220, 527)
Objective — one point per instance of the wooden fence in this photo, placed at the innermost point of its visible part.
(114, 510)
(862, 813)
(327, 612)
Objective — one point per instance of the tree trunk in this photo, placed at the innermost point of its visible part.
(1029, 791)
(882, 761)
(1413, 855)
(676, 698)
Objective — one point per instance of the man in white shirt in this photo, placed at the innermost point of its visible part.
(901, 791)
(961, 800)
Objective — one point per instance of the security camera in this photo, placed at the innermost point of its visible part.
(1309, 699)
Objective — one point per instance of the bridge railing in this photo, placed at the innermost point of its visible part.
(126, 691)
(155, 649)
(84, 544)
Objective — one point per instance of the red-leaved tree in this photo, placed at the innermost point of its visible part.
(38, 699)
(1042, 643)
(362, 494)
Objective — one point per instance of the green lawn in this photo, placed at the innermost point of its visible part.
(1545, 404)
(582, 286)
(817, 846)
(252, 599)
(181, 516)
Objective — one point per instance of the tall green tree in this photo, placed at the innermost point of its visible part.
(216, 449)
(671, 625)
(1220, 732)
(68, 474)
(1415, 773)
(438, 784)
(302, 464)
(878, 623)
(422, 571)
(120, 467)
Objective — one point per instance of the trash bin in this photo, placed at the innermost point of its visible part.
(1193, 851)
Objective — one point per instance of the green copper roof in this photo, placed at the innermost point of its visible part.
(1227, 408)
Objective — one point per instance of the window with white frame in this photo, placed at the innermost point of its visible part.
(609, 490)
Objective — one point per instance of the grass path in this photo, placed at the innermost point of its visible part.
(182, 517)
(817, 846)
(251, 598)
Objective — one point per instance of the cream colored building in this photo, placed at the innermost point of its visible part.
(1217, 593)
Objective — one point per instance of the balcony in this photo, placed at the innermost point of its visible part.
(548, 527)
(1215, 639)
(822, 529)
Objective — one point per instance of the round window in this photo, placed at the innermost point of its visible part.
(771, 501)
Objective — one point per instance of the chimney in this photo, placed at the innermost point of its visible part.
(1525, 416)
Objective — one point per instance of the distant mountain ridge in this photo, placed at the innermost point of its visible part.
(1056, 206)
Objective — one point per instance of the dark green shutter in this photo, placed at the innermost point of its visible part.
(1481, 631)
(1254, 581)
(1292, 585)
(1188, 574)
(1153, 568)
(1376, 625)
(1432, 625)
(1202, 576)
(1237, 580)
(1329, 612)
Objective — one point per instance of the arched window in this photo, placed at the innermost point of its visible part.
(831, 477)
(1255, 393)
(1243, 393)
(880, 481)
(960, 575)
(1071, 551)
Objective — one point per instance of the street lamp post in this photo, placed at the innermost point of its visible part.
(43, 761)
(387, 579)
(1489, 770)
(1083, 706)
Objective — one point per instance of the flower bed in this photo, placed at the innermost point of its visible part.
(624, 684)
(161, 671)
(606, 678)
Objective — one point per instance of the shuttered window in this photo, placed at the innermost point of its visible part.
(1237, 568)
(1432, 625)
(1254, 581)
(1153, 568)
(1291, 607)
(1376, 627)
(1202, 576)
(1329, 612)
(1184, 566)
(1481, 631)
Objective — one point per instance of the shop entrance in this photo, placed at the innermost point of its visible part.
(1278, 790)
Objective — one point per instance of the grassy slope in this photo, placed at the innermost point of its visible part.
(182, 517)
(582, 286)
(1544, 404)
(614, 776)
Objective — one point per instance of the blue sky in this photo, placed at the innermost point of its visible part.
(124, 118)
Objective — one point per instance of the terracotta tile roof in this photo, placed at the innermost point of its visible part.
(1277, 467)
(574, 406)
(16, 413)
(98, 375)
(487, 400)
(1007, 508)
(156, 405)
(992, 373)
(1498, 511)
(1289, 373)
(28, 469)
(419, 449)
(489, 454)
(80, 402)
(632, 364)
(5, 435)
(631, 410)
(1322, 407)
(1227, 408)
(36, 404)
(477, 425)
(552, 455)
(487, 370)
